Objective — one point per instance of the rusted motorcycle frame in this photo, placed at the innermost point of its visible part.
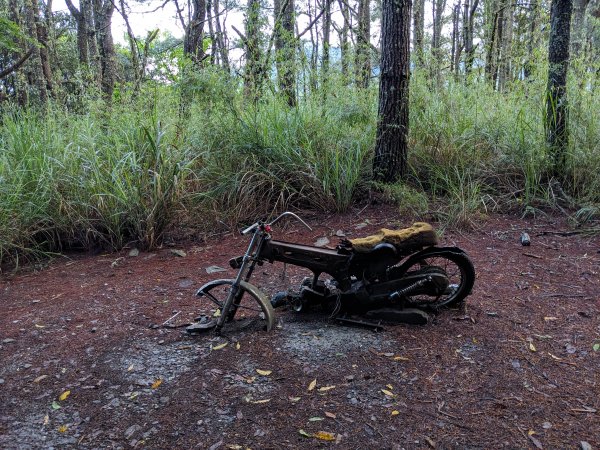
(384, 277)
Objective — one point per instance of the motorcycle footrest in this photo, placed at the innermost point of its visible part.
(344, 320)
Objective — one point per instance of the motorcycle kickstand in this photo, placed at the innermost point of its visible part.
(349, 321)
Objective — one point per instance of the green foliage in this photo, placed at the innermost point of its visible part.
(109, 178)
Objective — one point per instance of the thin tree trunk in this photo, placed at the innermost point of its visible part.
(82, 32)
(504, 69)
(103, 11)
(193, 41)
(363, 47)
(221, 38)
(419, 31)
(326, 30)
(468, 19)
(344, 45)
(392, 128)
(578, 30)
(455, 53)
(556, 125)
(285, 49)
(438, 7)
(532, 41)
(21, 88)
(252, 75)
(36, 71)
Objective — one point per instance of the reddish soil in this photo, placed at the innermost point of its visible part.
(515, 368)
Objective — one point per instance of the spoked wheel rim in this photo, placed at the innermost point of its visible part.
(246, 312)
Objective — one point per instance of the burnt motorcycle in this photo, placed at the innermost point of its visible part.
(390, 277)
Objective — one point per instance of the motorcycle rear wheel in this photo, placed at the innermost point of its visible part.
(458, 268)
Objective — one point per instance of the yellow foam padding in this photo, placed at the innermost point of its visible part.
(420, 233)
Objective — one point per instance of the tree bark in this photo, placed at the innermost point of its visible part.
(468, 24)
(326, 43)
(456, 47)
(103, 11)
(344, 45)
(419, 31)
(82, 32)
(252, 75)
(363, 48)
(556, 125)
(193, 40)
(36, 71)
(532, 40)
(221, 38)
(438, 7)
(391, 149)
(578, 33)
(285, 49)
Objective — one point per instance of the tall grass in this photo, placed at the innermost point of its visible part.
(97, 179)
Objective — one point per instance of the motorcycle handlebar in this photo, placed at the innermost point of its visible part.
(254, 226)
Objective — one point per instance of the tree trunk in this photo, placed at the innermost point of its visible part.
(36, 71)
(532, 41)
(556, 125)
(392, 128)
(438, 7)
(103, 11)
(326, 43)
(344, 45)
(578, 37)
(21, 85)
(82, 32)
(363, 48)
(193, 40)
(419, 31)
(221, 38)
(285, 49)
(505, 62)
(456, 48)
(490, 36)
(468, 19)
(252, 75)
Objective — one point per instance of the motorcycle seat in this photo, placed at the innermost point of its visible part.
(419, 235)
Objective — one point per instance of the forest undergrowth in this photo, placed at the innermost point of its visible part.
(123, 177)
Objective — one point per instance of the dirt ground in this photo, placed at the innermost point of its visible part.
(86, 363)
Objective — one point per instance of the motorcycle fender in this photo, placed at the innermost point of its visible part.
(251, 290)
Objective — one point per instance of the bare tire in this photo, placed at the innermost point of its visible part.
(457, 267)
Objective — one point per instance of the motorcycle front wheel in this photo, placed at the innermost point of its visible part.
(457, 267)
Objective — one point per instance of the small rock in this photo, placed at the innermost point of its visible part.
(214, 269)
(8, 341)
(1, 380)
(546, 425)
(322, 242)
(570, 348)
(585, 445)
(340, 233)
(132, 430)
(186, 283)
(93, 330)
(180, 253)
(134, 252)
(35, 301)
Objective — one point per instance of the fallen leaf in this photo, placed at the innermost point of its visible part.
(430, 441)
(46, 420)
(324, 436)
(134, 396)
(315, 419)
(39, 326)
(55, 405)
(264, 372)
(550, 318)
(214, 269)
(294, 399)
(401, 358)
(217, 313)
(250, 380)
(554, 357)
(40, 378)
(304, 433)
(326, 388)
(130, 368)
(63, 428)
(321, 242)
(157, 383)
(64, 396)
(330, 415)
(237, 345)
(220, 346)
(388, 393)
(389, 386)
(535, 441)
(596, 347)
(258, 402)
(179, 253)
(395, 412)
(532, 347)
(235, 447)
(312, 385)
